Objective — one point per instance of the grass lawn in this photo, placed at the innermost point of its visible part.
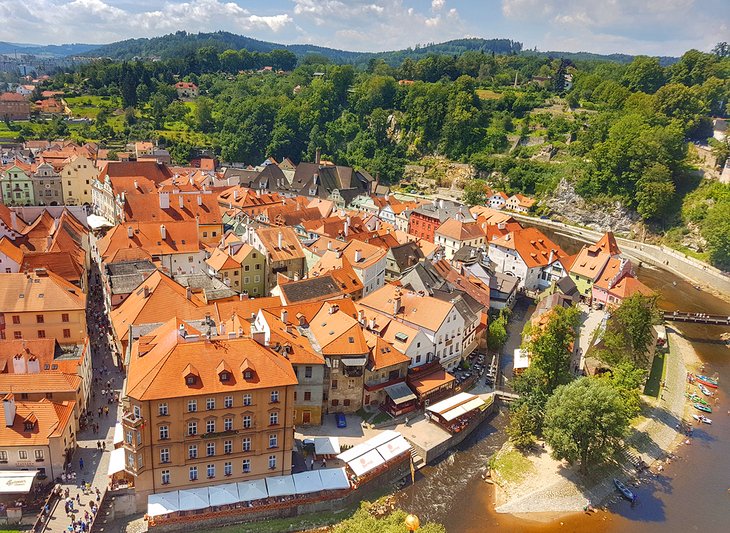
(488, 94)
(656, 375)
(89, 106)
(511, 466)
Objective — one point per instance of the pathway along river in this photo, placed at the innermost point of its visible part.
(692, 494)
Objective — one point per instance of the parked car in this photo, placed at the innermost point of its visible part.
(341, 420)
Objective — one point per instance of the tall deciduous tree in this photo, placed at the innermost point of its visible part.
(629, 333)
(644, 74)
(585, 421)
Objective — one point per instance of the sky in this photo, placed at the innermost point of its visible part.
(653, 27)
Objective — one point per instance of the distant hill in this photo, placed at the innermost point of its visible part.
(51, 50)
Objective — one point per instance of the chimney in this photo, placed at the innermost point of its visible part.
(34, 365)
(181, 201)
(396, 302)
(49, 242)
(284, 315)
(235, 194)
(361, 316)
(502, 225)
(146, 291)
(163, 232)
(164, 200)
(289, 328)
(200, 199)
(371, 325)
(441, 203)
(19, 364)
(280, 241)
(9, 409)
(296, 276)
(552, 256)
(358, 256)
(14, 220)
(181, 331)
(317, 156)
(329, 245)
(136, 185)
(347, 226)
(188, 293)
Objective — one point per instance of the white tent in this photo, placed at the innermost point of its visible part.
(280, 486)
(116, 461)
(118, 434)
(394, 448)
(163, 503)
(326, 445)
(252, 490)
(370, 444)
(223, 494)
(193, 499)
(365, 463)
(17, 481)
(96, 222)
(307, 482)
(334, 478)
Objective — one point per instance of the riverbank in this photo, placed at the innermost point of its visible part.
(536, 486)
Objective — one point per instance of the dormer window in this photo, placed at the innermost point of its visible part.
(247, 374)
(225, 376)
(191, 375)
(190, 379)
(248, 370)
(29, 426)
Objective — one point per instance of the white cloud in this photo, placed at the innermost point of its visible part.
(96, 21)
(437, 5)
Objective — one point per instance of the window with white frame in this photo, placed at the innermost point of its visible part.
(246, 444)
(165, 477)
(246, 465)
(193, 451)
(164, 432)
(228, 446)
(162, 409)
(247, 422)
(193, 473)
(273, 418)
(273, 441)
(165, 455)
(228, 402)
(246, 400)
(272, 462)
(274, 396)
(192, 406)
(210, 426)
(210, 449)
(210, 404)
(227, 468)
(210, 471)
(192, 428)
(227, 424)
(39, 455)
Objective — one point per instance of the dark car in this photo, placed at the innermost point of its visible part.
(341, 420)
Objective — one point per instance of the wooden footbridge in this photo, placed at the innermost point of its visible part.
(697, 318)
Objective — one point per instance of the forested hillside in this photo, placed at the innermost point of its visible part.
(617, 132)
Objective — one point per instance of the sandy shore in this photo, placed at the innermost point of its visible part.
(553, 488)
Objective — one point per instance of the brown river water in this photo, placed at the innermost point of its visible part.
(691, 494)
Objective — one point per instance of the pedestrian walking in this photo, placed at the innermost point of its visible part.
(81, 463)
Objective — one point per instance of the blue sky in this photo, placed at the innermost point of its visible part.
(656, 27)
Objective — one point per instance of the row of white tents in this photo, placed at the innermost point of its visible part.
(375, 452)
(231, 493)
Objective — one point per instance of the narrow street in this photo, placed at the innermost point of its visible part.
(95, 461)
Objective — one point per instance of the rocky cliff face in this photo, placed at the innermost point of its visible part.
(567, 204)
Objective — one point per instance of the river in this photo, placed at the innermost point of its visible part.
(691, 494)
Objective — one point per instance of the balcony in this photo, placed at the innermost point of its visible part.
(132, 421)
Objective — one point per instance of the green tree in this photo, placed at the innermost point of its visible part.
(644, 74)
(585, 422)
(655, 192)
(627, 379)
(475, 192)
(682, 103)
(531, 386)
(551, 346)
(716, 230)
(630, 331)
(204, 114)
(497, 332)
(522, 426)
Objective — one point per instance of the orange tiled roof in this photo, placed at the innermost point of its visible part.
(424, 311)
(459, 230)
(612, 268)
(51, 421)
(38, 292)
(221, 260)
(291, 248)
(628, 286)
(44, 350)
(590, 262)
(382, 353)
(532, 246)
(10, 250)
(608, 244)
(146, 208)
(160, 372)
(181, 238)
(44, 382)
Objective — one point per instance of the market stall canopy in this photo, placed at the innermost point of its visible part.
(394, 448)
(96, 222)
(326, 445)
(116, 461)
(252, 490)
(223, 494)
(163, 503)
(193, 499)
(370, 444)
(334, 478)
(307, 482)
(399, 393)
(280, 486)
(118, 434)
(456, 406)
(365, 463)
(354, 361)
(16, 481)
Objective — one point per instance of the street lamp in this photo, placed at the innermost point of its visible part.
(412, 522)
